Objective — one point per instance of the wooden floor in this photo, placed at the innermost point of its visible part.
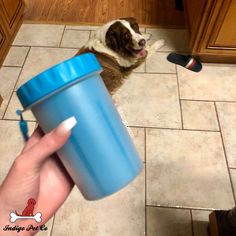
(149, 12)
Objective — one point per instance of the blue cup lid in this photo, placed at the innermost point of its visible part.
(57, 77)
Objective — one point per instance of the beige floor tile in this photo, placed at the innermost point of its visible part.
(200, 222)
(233, 176)
(16, 56)
(214, 82)
(175, 39)
(39, 35)
(122, 213)
(199, 115)
(137, 134)
(82, 27)
(141, 68)
(142, 30)
(8, 78)
(49, 229)
(168, 222)
(158, 63)
(187, 168)
(75, 38)
(227, 119)
(13, 106)
(150, 100)
(11, 144)
(40, 59)
(139, 140)
(92, 34)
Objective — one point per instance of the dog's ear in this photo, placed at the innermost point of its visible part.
(112, 38)
(111, 41)
(133, 23)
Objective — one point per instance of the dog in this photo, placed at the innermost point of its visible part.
(120, 48)
(29, 209)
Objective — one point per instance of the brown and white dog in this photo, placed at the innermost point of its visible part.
(120, 47)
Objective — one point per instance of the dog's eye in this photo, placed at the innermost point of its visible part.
(127, 35)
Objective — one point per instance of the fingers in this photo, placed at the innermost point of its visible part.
(48, 144)
(34, 138)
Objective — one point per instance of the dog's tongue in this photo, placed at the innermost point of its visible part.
(142, 53)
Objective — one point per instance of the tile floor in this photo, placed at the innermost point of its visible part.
(183, 124)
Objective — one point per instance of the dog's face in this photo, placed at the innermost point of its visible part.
(123, 36)
(31, 201)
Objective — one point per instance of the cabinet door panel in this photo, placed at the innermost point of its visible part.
(197, 14)
(222, 30)
(4, 40)
(10, 9)
(11, 12)
(1, 37)
(227, 32)
(3, 31)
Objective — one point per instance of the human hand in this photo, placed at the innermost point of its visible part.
(37, 173)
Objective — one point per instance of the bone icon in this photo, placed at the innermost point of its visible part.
(14, 217)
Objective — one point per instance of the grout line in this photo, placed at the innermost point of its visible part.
(194, 100)
(145, 178)
(83, 30)
(202, 130)
(225, 154)
(191, 217)
(145, 144)
(177, 129)
(11, 66)
(153, 73)
(62, 36)
(16, 83)
(180, 104)
(182, 207)
(54, 216)
(145, 68)
(28, 121)
(19, 46)
(90, 34)
(53, 47)
(14, 119)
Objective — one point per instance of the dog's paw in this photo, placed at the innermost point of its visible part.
(158, 44)
(147, 36)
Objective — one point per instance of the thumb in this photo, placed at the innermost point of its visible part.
(48, 144)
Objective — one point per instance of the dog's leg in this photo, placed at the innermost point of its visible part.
(154, 47)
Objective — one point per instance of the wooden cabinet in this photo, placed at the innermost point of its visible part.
(11, 12)
(212, 29)
(4, 37)
(11, 9)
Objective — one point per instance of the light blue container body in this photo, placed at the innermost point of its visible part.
(99, 155)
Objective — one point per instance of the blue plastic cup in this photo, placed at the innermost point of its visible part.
(99, 155)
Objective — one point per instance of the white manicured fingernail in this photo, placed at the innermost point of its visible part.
(66, 126)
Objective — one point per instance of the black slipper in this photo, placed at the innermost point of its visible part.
(186, 61)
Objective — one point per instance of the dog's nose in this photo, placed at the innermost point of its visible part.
(142, 42)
